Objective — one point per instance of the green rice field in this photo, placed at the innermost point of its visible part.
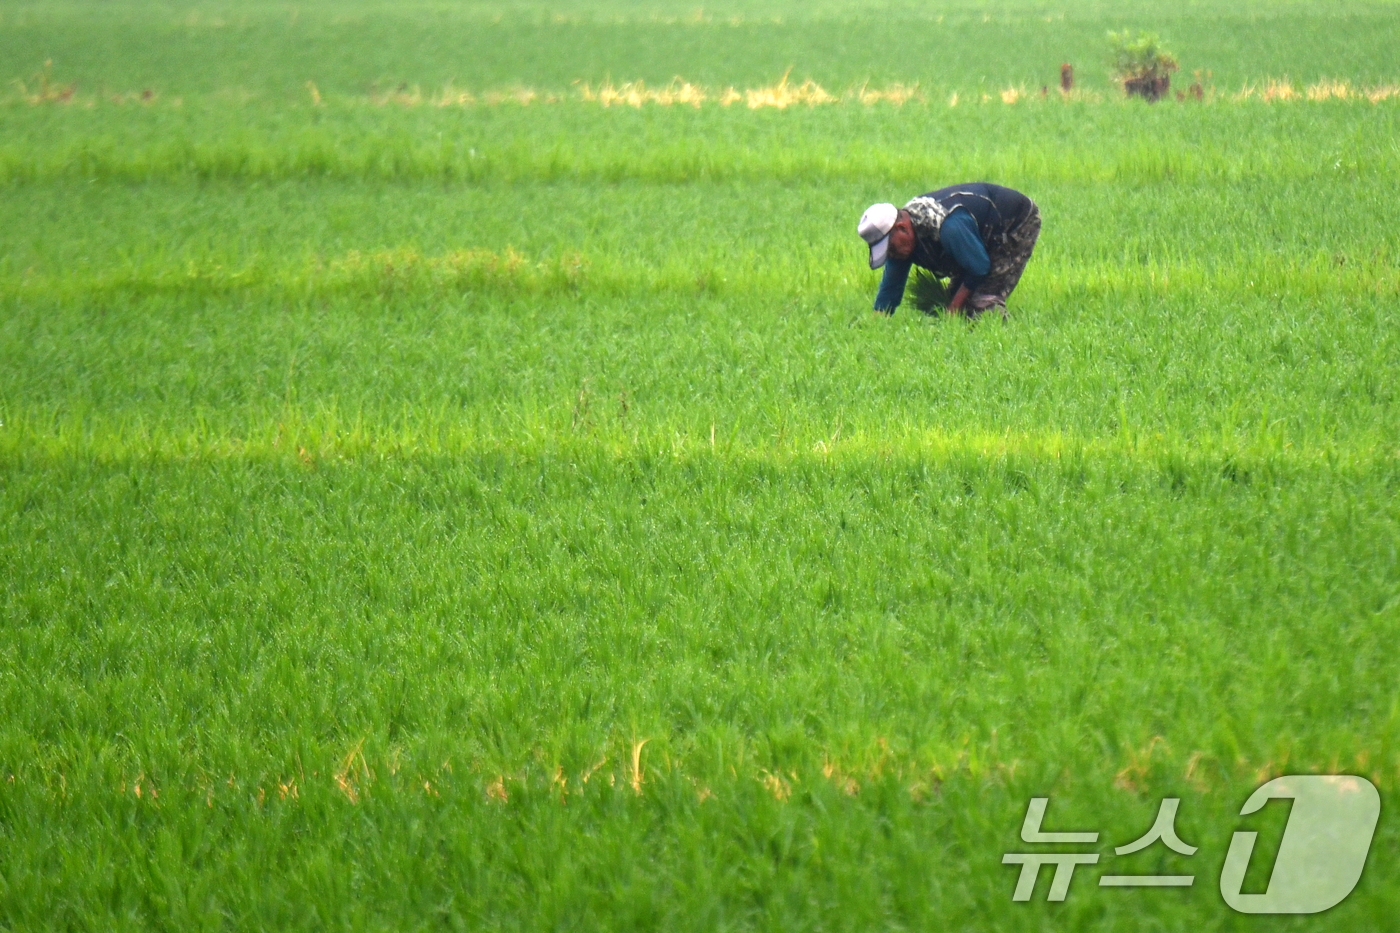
(451, 476)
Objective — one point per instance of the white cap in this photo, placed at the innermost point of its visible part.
(875, 226)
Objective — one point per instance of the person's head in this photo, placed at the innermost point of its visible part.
(902, 237)
(888, 231)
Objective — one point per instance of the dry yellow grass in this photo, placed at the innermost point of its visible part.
(783, 95)
(1282, 90)
(636, 93)
(897, 94)
(1279, 90)
(679, 92)
(1327, 89)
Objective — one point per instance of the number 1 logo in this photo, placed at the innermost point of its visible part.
(1323, 850)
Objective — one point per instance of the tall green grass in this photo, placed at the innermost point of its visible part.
(512, 516)
(1110, 142)
(268, 51)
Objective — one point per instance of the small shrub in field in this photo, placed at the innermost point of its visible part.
(1140, 62)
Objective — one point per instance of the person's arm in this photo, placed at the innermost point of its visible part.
(959, 298)
(963, 243)
(891, 291)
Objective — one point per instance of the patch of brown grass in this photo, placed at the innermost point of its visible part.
(46, 91)
(783, 95)
(636, 93)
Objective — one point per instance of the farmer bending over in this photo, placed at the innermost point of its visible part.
(979, 236)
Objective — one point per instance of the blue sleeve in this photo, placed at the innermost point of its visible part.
(963, 243)
(891, 291)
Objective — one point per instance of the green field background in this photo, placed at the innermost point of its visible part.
(505, 512)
